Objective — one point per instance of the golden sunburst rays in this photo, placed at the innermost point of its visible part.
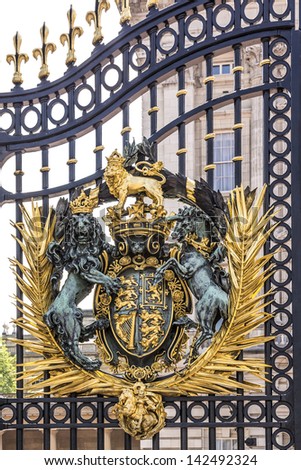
(214, 370)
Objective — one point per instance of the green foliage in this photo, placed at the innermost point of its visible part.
(7, 371)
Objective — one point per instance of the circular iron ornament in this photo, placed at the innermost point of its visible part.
(217, 11)
(288, 300)
(247, 411)
(132, 56)
(285, 340)
(244, 15)
(278, 140)
(105, 71)
(280, 184)
(279, 270)
(14, 414)
(33, 407)
(92, 415)
(277, 357)
(273, 68)
(56, 407)
(286, 432)
(285, 312)
(176, 408)
(282, 217)
(107, 410)
(77, 93)
(280, 16)
(189, 21)
(277, 42)
(51, 105)
(284, 239)
(194, 405)
(288, 380)
(9, 129)
(161, 35)
(277, 119)
(278, 96)
(233, 411)
(284, 250)
(284, 405)
(286, 171)
(25, 112)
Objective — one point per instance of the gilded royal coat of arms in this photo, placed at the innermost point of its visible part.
(176, 295)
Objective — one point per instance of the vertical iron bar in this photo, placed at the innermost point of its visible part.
(19, 256)
(156, 442)
(73, 421)
(237, 116)
(125, 132)
(184, 431)
(153, 112)
(181, 128)
(266, 176)
(127, 442)
(212, 431)
(71, 161)
(209, 120)
(100, 429)
(98, 147)
(296, 229)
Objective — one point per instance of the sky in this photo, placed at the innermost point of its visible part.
(27, 18)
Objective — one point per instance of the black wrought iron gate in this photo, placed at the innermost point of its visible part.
(55, 113)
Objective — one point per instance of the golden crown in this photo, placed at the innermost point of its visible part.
(85, 203)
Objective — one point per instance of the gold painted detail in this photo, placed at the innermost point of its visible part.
(238, 158)
(98, 148)
(238, 68)
(181, 92)
(238, 125)
(17, 59)
(151, 328)
(69, 38)
(211, 78)
(154, 109)
(121, 184)
(19, 173)
(265, 62)
(209, 136)
(85, 203)
(204, 246)
(43, 52)
(181, 151)
(125, 129)
(210, 167)
(125, 16)
(140, 412)
(44, 169)
(71, 161)
(96, 16)
(190, 189)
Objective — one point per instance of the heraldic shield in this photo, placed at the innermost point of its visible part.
(144, 317)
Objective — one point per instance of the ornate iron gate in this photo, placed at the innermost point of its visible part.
(222, 26)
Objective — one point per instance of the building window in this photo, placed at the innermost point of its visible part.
(221, 69)
(226, 444)
(223, 152)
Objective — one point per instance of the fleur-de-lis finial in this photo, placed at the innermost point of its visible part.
(152, 3)
(70, 37)
(125, 11)
(100, 6)
(44, 51)
(17, 59)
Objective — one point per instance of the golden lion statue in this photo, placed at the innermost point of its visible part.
(122, 184)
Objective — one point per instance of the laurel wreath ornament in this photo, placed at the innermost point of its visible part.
(212, 372)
